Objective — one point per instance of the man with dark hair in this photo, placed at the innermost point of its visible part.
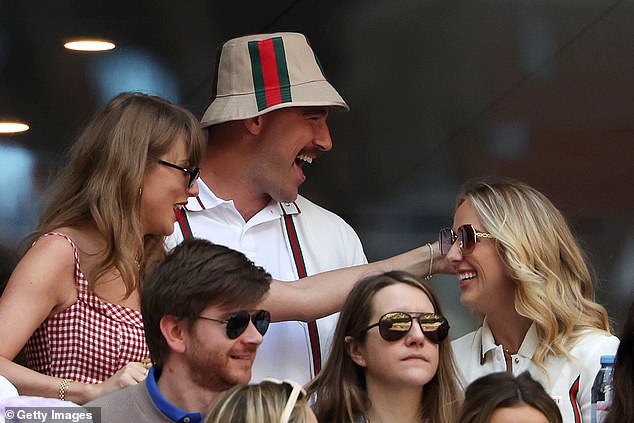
(202, 329)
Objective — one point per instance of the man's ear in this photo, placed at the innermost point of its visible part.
(254, 125)
(175, 333)
(355, 351)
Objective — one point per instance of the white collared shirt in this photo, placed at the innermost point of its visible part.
(568, 382)
(327, 242)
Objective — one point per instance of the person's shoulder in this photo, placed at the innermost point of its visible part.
(49, 260)
(308, 209)
(467, 341)
(304, 203)
(591, 338)
(128, 404)
(119, 398)
(592, 344)
(325, 225)
(58, 240)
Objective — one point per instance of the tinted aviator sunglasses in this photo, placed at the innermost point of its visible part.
(396, 324)
(238, 322)
(192, 173)
(466, 235)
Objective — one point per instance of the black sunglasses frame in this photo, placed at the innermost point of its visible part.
(392, 333)
(193, 174)
(466, 234)
(238, 322)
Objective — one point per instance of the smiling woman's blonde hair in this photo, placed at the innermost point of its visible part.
(101, 184)
(552, 279)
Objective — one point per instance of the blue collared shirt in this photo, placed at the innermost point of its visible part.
(174, 413)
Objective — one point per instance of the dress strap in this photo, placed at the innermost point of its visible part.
(80, 279)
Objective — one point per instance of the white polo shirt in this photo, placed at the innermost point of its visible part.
(569, 382)
(327, 242)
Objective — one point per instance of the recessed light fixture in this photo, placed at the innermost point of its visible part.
(87, 44)
(11, 127)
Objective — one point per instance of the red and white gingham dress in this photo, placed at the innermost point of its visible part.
(90, 340)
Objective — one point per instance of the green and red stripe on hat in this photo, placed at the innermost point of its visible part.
(270, 72)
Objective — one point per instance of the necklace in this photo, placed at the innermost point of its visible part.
(507, 352)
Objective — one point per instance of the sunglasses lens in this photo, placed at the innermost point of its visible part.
(394, 326)
(193, 176)
(445, 239)
(466, 235)
(261, 320)
(237, 324)
(435, 329)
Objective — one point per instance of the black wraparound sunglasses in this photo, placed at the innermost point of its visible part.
(238, 322)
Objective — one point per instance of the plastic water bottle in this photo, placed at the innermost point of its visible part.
(601, 393)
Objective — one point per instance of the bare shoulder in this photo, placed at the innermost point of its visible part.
(48, 268)
(41, 285)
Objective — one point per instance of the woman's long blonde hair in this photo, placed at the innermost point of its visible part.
(553, 283)
(340, 388)
(101, 184)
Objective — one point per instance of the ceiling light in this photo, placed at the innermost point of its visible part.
(87, 44)
(9, 127)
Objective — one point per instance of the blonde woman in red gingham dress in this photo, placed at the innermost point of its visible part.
(60, 345)
(73, 299)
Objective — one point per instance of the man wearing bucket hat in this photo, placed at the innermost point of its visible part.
(268, 119)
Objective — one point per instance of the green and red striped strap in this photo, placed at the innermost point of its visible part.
(301, 271)
(183, 222)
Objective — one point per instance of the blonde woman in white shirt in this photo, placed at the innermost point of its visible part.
(521, 269)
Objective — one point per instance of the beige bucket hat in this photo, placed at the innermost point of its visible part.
(260, 73)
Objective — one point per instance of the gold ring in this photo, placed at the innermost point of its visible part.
(147, 363)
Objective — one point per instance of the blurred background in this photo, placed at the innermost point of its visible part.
(440, 91)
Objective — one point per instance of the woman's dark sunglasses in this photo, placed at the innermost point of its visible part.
(396, 324)
(192, 173)
(466, 235)
(238, 322)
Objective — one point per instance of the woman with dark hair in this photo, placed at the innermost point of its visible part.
(502, 397)
(391, 359)
(521, 269)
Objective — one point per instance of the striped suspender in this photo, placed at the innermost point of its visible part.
(313, 333)
(183, 223)
(301, 271)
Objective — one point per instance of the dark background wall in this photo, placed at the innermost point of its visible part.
(440, 91)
